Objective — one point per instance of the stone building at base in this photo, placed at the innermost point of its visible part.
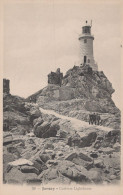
(55, 77)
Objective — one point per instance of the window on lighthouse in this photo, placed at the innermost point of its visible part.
(85, 40)
(88, 60)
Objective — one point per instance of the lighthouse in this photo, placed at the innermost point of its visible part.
(86, 47)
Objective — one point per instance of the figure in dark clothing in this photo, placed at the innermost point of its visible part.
(92, 119)
(95, 119)
(98, 119)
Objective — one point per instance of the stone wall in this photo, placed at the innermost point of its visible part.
(55, 77)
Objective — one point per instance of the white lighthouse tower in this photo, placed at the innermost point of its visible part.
(86, 47)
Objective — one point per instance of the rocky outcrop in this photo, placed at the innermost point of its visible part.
(42, 146)
(83, 83)
(89, 84)
(82, 91)
(15, 117)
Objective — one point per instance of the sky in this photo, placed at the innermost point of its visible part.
(40, 37)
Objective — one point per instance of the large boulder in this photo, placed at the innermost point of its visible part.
(88, 140)
(15, 176)
(80, 159)
(95, 175)
(46, 129)
(41, 129)
(29, 169)
(74, 172)
(74, 140)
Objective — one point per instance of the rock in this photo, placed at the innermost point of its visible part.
(48, 151)
(40, 166)
(83, 163)
(67, 148)
(29, 169)
(72, 171)
(37, 122)
(97, 144)
(100, 138)
(34, 113)
(53, 130)
(20, 161)
(63, 134)
(88, 140)
(107, 150)
(117, 147)
(7, 134)
(52, 174)
(15, 118)
(16, 176)
(60, 153)
(66, 172)
(94, 155)
(114, 133)
(113, 162)
(112, 137)
(40, 130)
(46, 129)
(95, 175)
(52, 162)
(106, 171)
(49, 174)
(112, 177)
(74, 140)
(52, 159)
(85, 157)
(44, 157)
(71, 156)
(99, 163)
(74, 174)
(8, 158)
(31, 134)
(13, 150)
(7, 139)
(49, 146)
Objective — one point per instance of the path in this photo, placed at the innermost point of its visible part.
(76, 123)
